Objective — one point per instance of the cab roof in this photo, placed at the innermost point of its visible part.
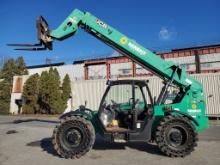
(130, 81)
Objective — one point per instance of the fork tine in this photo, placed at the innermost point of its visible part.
(31, 49)
(31, 45)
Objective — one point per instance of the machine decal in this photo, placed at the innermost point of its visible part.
(194, 110)
(102, 24)
(194, 106)
(73, 19)
(136, 48)
(124, 40)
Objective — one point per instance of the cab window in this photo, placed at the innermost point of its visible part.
(119, 94)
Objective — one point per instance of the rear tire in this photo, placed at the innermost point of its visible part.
(74, 137)
(176, 136)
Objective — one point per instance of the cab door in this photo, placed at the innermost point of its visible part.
(116, 107)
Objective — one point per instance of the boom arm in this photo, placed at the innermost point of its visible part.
(167, 70)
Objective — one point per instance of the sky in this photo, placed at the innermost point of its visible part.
(158, 25)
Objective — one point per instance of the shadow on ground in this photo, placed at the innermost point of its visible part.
(31, 120)
(100, 144)
(45, 144)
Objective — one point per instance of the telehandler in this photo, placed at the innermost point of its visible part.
(128, 112)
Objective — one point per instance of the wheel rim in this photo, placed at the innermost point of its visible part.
(177, 136)
(72, 138)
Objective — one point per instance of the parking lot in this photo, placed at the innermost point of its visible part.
(27, 140)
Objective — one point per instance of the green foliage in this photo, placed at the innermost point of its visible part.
(44, 92)
(50, 100)
(5, 96)
(55, 92)
(10, 68)
(30, 95)
(21, 67)
(13, 67)
(66, 90)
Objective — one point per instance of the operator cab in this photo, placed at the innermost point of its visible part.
(126, 106)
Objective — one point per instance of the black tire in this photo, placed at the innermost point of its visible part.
(74, 137)
(176, 136)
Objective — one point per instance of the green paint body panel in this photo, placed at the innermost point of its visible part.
(192, 103)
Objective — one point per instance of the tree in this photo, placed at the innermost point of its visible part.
(5, 97)
(21, 66)
(55, 102)
(66, 90)
(30, 95)
(10, 68)
(13, 67)
(50, 100)
(56, 75)
(6, 76)
(44, 93)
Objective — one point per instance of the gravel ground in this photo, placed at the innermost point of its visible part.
(27, 140)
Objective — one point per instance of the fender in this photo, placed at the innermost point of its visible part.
(185, 115)
(77, 112)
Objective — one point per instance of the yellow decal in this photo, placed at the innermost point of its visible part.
(194, 106)
(124, 40)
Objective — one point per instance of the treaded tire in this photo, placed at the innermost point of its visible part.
(163, 136)
(87, 135)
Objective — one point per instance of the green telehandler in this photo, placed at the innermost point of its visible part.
(128, 112)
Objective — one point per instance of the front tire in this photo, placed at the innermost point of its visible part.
(176, 136)
(74, 137)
